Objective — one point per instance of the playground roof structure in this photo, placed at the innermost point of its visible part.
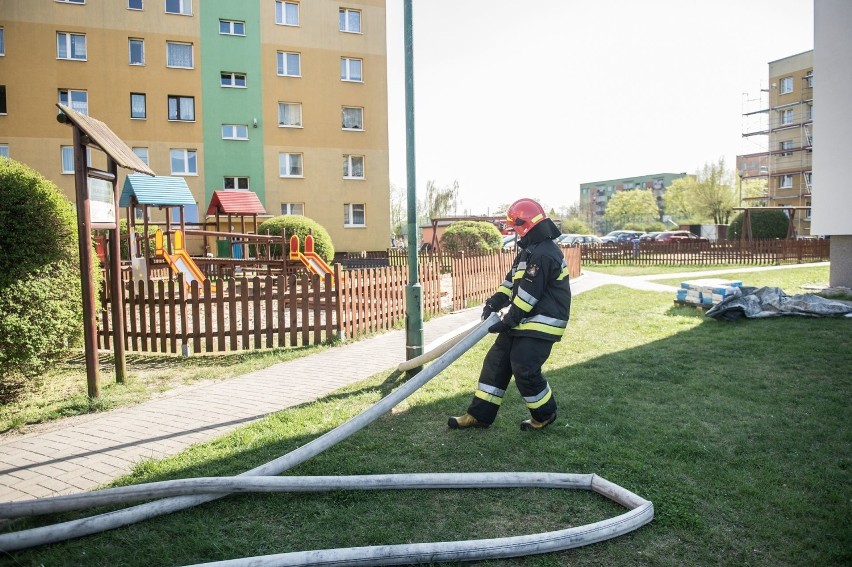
(156, 191)
(235, 203)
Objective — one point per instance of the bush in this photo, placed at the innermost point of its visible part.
(471, 236)
(40, 291)
(575, 226)
(289, 225)
(764, 224)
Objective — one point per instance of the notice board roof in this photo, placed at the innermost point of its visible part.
(159, 190)
(235, 203)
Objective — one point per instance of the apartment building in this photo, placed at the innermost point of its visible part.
(786, 123)
(287, 99)
(595, 195)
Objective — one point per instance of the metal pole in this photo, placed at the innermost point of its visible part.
(84, 232)
(413, 292)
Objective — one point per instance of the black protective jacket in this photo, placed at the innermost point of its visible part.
(536, 288)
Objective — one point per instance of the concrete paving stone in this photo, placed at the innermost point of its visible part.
(98, 478)
(76, 480)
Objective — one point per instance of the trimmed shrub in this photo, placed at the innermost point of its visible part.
(289, 225)
(764, 224)
(471, 237)
(40, 291)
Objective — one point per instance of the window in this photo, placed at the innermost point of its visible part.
(236, 183)
(290, 165)
(71, 46)
(289, 64)
(350, 69)
(286, 13)
(3, 109)
(2, 41)
(292, 208)
(137, 106)
(182, 108)
(353, 214)
(809, 177)
(184, 162)
(136, 48)
(67, 159)
(810, 79)
(134, 4)
(234, 132)
(350, 20)
(142, 153)
(353, 167)
(809, 112)
(787, 116)
(786, 85)
(233, 80)
(785, 182)
(232, 27)
(71, 1)
(76, 100)
(290, 114)
(353, 118)
(4, 150)
(183, 7)
(179, 55)
(785, 148)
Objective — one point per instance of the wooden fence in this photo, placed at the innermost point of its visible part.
(756, 252)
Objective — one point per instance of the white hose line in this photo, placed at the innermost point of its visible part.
(95, 524)
(431, 355)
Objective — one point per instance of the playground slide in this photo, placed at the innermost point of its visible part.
(179, 261)
(311, 259)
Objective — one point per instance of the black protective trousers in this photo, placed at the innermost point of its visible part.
(521, 357)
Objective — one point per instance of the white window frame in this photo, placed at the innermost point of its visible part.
(130, 42)
(282, 67)
(296, 123)
(145, 101)
(786, 85)
(785, 181)
(2, 41)
(170, 45)
(184, 155)
(360, 125)
(343, 20)
(67, 38)
(786, 147)
(809, 77)
(184, 7)
(285, 165)
(281, 13)
(228, 80)
(809, 113)
(142, 153)
(232, 24)
(69, 95)
(346, 73)
(293, 209)
(349, 210)
(349, 166)
(178, 99)
(71, 1)
(236, 181)
(235, 131)
(787, 117)
(140, 8)
(4, 150)
(69, 150)
(809, 179)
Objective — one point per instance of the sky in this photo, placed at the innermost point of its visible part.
(531, 98)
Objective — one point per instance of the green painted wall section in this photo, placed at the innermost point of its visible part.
(220, 105)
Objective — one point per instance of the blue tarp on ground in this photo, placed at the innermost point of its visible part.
(753, 302)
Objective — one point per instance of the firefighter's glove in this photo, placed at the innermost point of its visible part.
(487, 311)
(499, 327)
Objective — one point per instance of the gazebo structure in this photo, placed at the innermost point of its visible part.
(163, 192)
(239, 204)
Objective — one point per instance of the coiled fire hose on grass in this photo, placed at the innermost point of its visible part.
(263, 478)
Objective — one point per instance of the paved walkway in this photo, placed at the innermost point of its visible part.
(78, 454)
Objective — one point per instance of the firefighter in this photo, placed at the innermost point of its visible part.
(537, 292)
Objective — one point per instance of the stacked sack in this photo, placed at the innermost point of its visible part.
(707, 292)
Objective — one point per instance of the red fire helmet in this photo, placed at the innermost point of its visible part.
(524, 214)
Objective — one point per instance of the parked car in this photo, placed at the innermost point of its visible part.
(679, 236)
(611, 237)
(621, 236)
(565, 239)
(584, 240)
(509, 241)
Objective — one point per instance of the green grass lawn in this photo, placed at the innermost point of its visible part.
(739, 432)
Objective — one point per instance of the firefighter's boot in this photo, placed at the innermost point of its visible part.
(465, 421)
(532, 424)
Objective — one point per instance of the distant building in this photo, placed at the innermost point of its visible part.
(286, 99)
(595, 195)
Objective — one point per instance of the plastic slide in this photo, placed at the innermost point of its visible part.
(310, 258)
(179, 261)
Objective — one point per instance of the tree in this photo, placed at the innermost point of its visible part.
(714, 194)
(764, 224)
(634, 206)
(440, 201)
(754, 191)
(398, 212)
(680, 202)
